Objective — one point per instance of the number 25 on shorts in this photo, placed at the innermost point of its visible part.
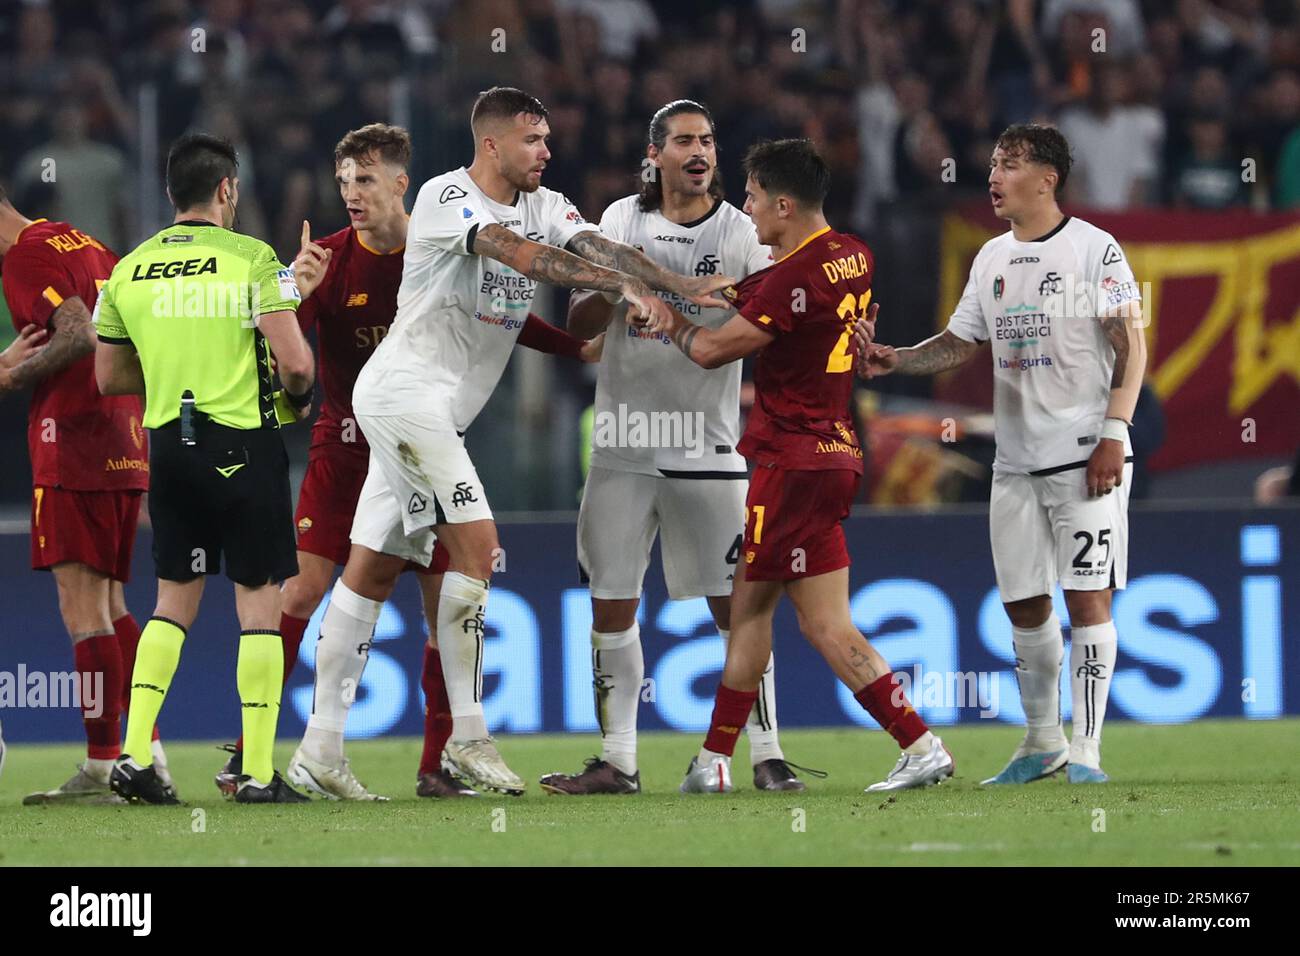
(840, 360)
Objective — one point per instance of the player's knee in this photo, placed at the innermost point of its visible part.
(1030, 613)
(301, 597)
(1088, 608)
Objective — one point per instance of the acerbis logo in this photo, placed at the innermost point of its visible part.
(75, 909)
(416, 504)
(684, 240)
(707, 266)
(451, 194)
(1023, 259)
(1111, 255)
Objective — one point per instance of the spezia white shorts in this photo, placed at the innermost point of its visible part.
(1045, 530)
(420, 475)
(700, 522)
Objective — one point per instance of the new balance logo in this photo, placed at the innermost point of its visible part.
(463, 495)
(416, 504)
(357, 298)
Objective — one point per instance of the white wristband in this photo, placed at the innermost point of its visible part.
(1114, 428)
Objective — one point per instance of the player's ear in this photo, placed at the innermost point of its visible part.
(403, 181)
(652, 152)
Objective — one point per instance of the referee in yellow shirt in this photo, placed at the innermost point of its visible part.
(191, 319)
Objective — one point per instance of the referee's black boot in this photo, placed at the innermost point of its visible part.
(277, 791)
(139, 784)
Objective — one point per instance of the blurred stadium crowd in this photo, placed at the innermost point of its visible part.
(1168, 103)
(1187, 90)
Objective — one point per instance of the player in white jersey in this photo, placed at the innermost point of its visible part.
(1056, 297)
(683, 479)
(479, 240)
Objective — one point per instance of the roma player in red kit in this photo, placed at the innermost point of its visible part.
(799, 316)
(90, 464)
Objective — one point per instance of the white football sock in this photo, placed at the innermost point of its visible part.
(1092, 661)
(761, 725)
(921, 745)
(341, 655)
(461, 605)
(98, 769)
(617, 669)
(1039, 651)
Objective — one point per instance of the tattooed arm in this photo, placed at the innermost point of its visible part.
(936, 354)
(549, 264)
(1123, 329)
(73, 339)
(627, 259)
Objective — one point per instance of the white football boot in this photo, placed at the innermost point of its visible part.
(331, 782)
(712, 777)
(913, 771)
(479, 764)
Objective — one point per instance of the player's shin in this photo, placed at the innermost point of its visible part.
(461, 605)
(618, 668)
(730, 711)
(156, 658)
(437, 711)
(886, 702)
(259, 675)
(341, 655)
(1092, 661)
(761, 725)
(1039, 651)
(99, 672)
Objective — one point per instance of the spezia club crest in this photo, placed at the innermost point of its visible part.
(998, 286)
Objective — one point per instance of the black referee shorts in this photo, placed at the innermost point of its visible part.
(227, 495)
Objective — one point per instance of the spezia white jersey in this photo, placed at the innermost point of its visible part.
(1039, 303)
(458, 314)
(657, 412)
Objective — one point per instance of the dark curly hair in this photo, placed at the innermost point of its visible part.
(1041, 144)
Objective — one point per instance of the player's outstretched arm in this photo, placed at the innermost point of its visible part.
(589, 313)
(712, 348)
(936, 354)
(73, 339)
(558, 267)
(600, 249)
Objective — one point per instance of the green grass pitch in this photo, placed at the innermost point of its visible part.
(1213, 792)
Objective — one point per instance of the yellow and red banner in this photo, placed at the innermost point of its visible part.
(1221, 298)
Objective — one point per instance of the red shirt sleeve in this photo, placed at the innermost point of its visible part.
(35, 285)
(770, 306)
(308, 310)
(540, 335)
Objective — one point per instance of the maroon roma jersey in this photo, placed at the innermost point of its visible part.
(351, 310)
(79, 439)
(803, 380)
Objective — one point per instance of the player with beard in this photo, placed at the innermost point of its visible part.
(349, 283)
(693, 497)
(469, 275)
